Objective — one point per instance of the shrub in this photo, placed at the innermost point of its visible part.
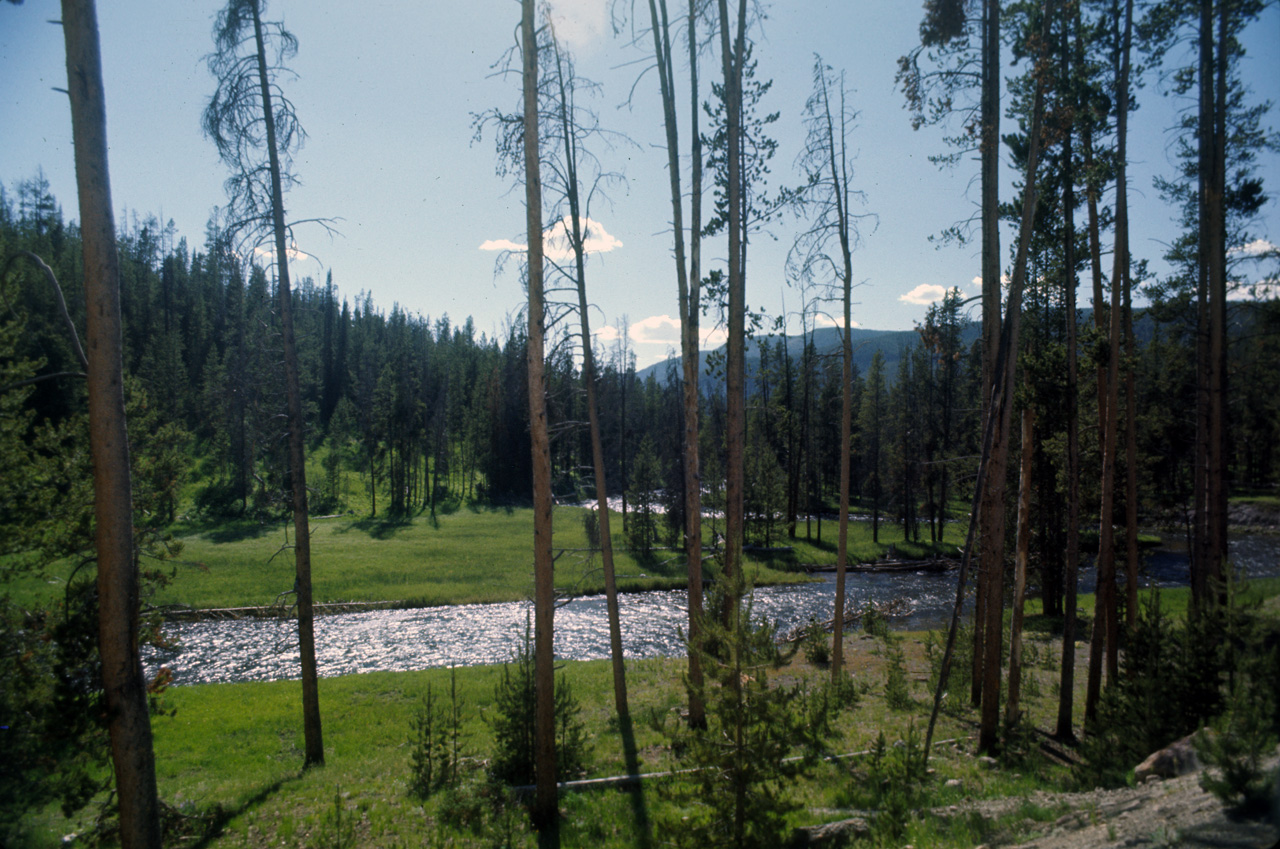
(895, 783)
(897, 693)
(436, 742)
(736, 795)
(515, 703)
(816, 646)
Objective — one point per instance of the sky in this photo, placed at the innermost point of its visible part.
(388, 96)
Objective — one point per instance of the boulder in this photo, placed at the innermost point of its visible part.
(1178, 758)
(832, 834)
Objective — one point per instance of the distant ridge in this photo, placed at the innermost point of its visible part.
(826, 340)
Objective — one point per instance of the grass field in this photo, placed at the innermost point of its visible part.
(230, 756)
(467, 556)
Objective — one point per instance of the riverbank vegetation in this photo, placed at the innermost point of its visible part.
(227, 754)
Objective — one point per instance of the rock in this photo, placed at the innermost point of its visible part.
(954, 782)
(988, 762)
(832, 833)
(1178, 758)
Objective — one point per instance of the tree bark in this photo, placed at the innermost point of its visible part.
(732, 53)
(1131, 399)
(1023, 548)
(546, 815)
(313, 740)
(593, 414)
(1066, 690)
(123, 682)
(689, 285)
(991, 510)
(991, 295)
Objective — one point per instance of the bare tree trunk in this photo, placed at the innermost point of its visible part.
(1106, 621)
(546, 815)
(313, 741)
(991, 296)
(123, 683)
(593, 415)
(1012, 711)
(1217, 257)
(1131, 395)
(1066, 694)
(732, 53)
(991, 511)
(689, 286)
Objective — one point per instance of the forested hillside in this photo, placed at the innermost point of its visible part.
(422, 411)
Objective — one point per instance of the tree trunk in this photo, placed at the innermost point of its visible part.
(991, 511)
(1131, 399)
(123, 683)
(1216, 250)
(314, 743)
(991, 296)
(1066, 693)
(546, 815)
(732, 55)
(1012, 711)
(593, 418)
(688, 285)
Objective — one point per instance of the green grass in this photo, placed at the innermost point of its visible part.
(231, 754)
(468, 556)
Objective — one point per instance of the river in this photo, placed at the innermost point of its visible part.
(398, 640)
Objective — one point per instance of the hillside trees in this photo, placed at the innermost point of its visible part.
(248, 117)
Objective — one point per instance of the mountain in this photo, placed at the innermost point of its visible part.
(826, 340)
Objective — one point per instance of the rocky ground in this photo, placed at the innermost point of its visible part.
(1159, 813)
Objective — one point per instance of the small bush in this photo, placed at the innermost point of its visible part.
(895, 781)
(897, 693)
(817, 646)
(1234, 750)
(738, 794)
(436, 742)
(515, 703)
(874, 622)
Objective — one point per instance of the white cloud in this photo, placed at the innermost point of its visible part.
(665, 330)
(1262, 290)
(655, 330)
(268, 253)
(502, 245)
(1258, 248)
(713, 337)
(608, 333)
(580, 23)
(822, 319)
(595, 239)
(926, 293)
(555, 244)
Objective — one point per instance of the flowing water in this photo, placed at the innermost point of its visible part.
(396, 640)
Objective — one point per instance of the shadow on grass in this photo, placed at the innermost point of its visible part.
(1051, 626)
(383, 527)
(232, 530)
(209, 825)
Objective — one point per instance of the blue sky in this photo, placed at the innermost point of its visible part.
(386, 91)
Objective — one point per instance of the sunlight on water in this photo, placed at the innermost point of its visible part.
(396, 640)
